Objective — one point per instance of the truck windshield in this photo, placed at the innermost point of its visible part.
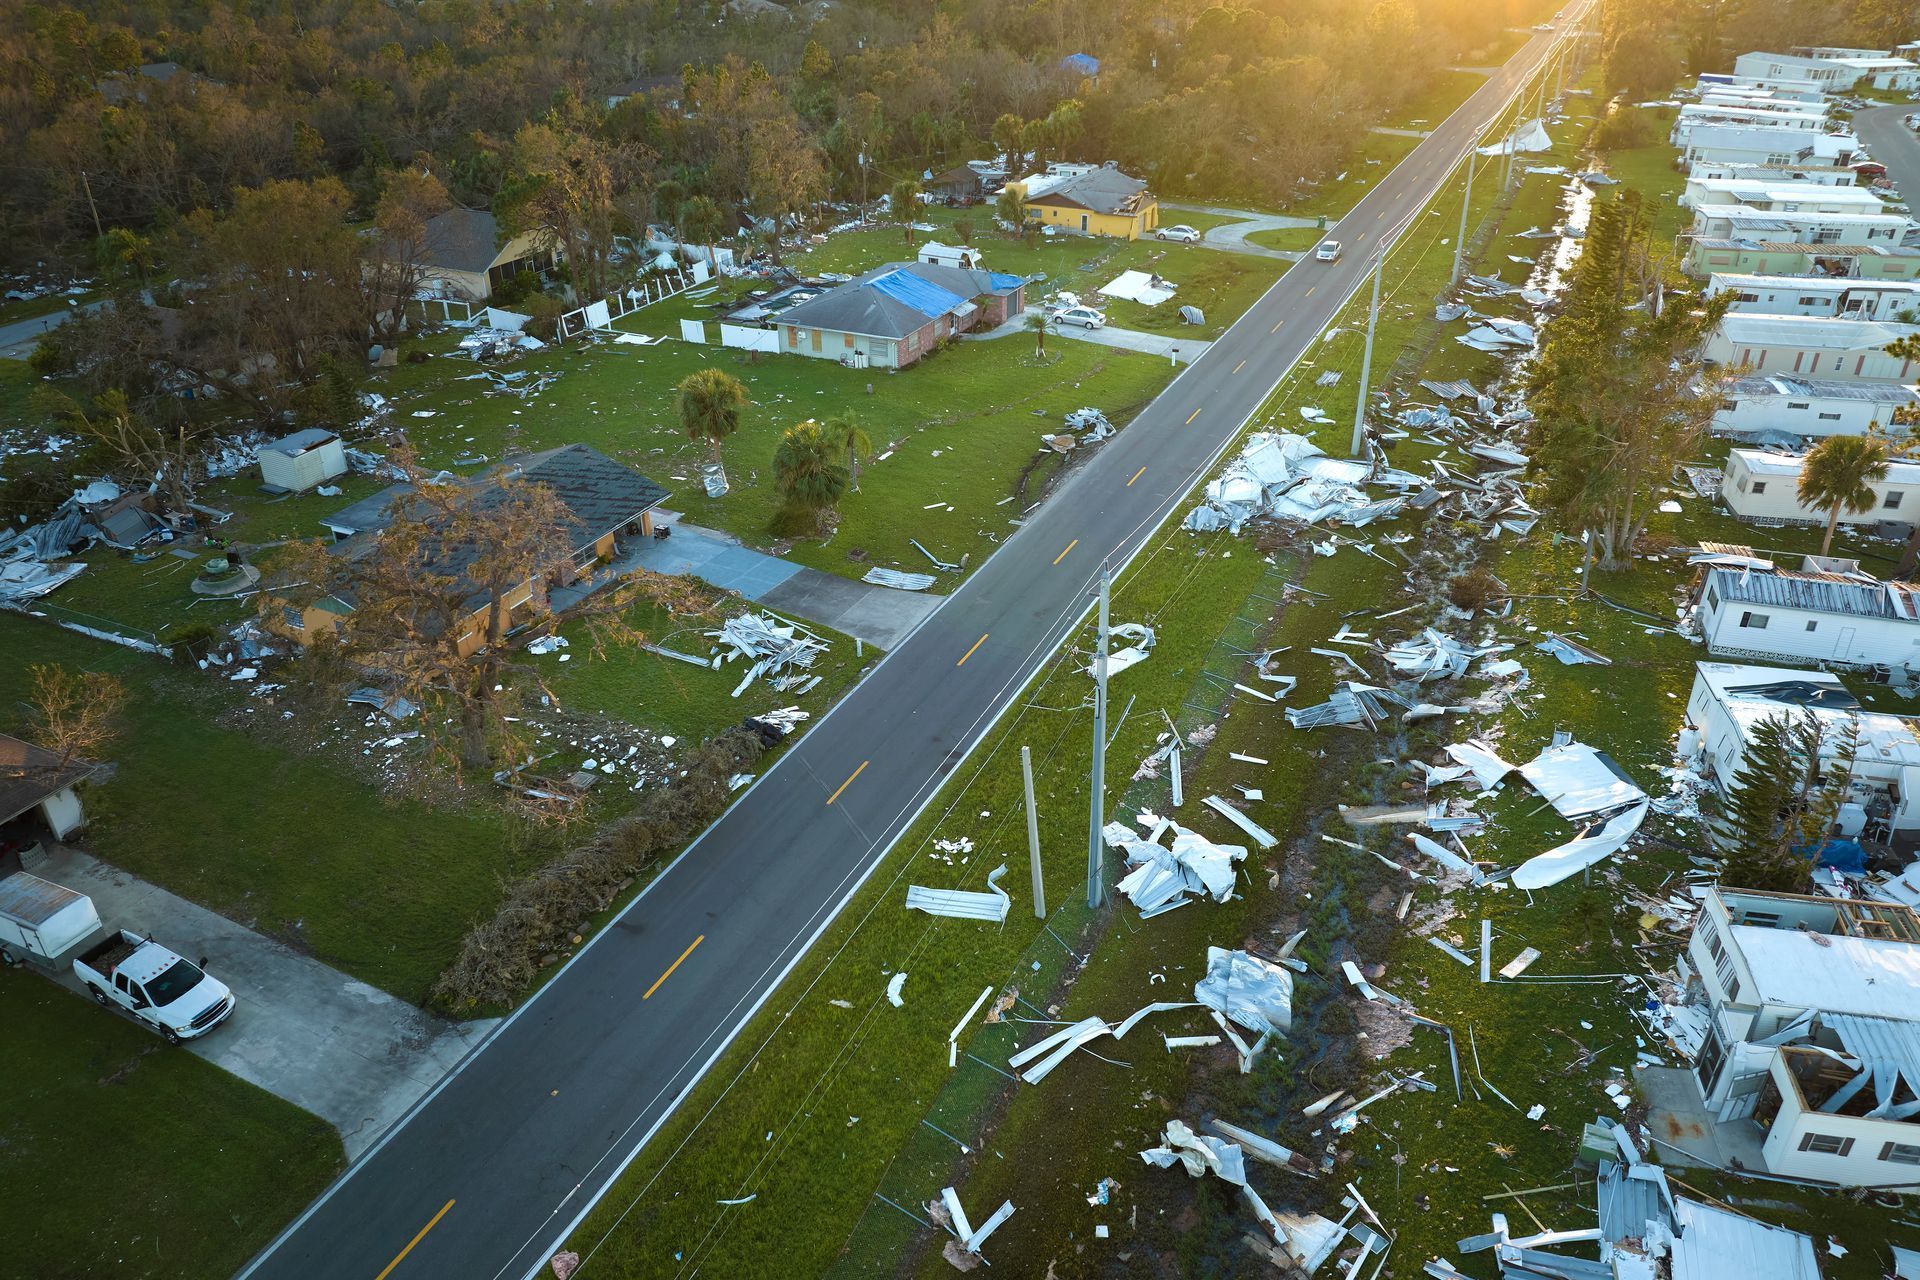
(173, 982)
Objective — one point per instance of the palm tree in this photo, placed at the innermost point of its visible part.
(702, 220)
(710, 403)
(1012, 208)
(906, 204)
(845, 432)
(1839, 474)
(1037, 324)
(805, 472)
(667, 199)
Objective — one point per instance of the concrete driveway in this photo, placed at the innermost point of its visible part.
(1173, 349)
(349, 1053)
(1232, 237)
(880, 616)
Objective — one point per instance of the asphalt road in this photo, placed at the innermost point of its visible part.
(487, 1174)
(1891, 143)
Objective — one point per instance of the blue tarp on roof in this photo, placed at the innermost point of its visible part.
(1001, 280)
(927, 298)
(1083, 63)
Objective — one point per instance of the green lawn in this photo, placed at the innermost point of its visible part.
(1289, 239)
(122, 1157)
(1376, 154)
(213, 797)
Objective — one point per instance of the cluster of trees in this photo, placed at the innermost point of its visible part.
(759, 115)
(1648, 45)
(1618, 390)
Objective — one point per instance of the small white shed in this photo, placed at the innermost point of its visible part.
(302, 460)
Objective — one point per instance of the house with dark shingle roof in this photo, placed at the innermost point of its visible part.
(604, 500)
(465, 255)
(891, 316)
(37, 785)
(1092, 201)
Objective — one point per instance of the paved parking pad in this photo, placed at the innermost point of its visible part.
(349, 1053)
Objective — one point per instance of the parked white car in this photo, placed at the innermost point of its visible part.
(1085, 317)
(1179, 231)
(1329, 251)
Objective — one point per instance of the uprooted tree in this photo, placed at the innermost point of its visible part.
(142, 450)
(429, 601)
(1617, 391)
(1784, 798)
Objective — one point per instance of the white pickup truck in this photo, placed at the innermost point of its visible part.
(153, 984)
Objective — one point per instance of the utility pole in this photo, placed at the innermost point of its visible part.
(87, 183)
(1460, 241)
(1366, 363)
(1096, 887)
(1033, 836)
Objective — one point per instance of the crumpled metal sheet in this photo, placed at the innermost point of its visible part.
(963, 904)
(1253, 993)
(1288, 477)
(1164, 878)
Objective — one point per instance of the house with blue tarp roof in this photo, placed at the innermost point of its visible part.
(893, 315)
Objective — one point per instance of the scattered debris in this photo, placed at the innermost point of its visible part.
(963, 1251)
(775, 647)
(963, 904)
(899, 581)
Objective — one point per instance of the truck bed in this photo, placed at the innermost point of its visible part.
(110, 952)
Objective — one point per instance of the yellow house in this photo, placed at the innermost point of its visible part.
(1094, 202)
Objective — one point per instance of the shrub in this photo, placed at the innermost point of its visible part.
(1472, 590)
(1623, 131)
(190, 642)
(500, 957)
(544, 314)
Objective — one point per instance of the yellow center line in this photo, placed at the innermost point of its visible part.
(400, 1257)
(969, 653)
(1192, 416)
(1311, 289)
(683, 955)
(1237, 368)
(862, 769)
(1276, 328)
(1063, 555)
(1136, 475)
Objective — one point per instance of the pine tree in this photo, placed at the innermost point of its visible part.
(1784, 800)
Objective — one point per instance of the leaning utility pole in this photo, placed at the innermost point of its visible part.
(1096, 816)
(1033, 836)
(1366, 359)
(1460, 241)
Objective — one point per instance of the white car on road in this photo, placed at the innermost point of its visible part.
(1329, 251)
(1085, 317)
(1181, 232)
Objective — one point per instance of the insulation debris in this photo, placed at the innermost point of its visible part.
(1050, 1051)
(1141, 639)
(1287, 477)
(1249, 991)
(1164, 878)
(1571, 652)
(1350, 703)
(1529, 135)
(963, 1251)
(1434, 656)
(779, 650)
(963, 904)
(1255, 832)
(1091, 421)
(899, 581)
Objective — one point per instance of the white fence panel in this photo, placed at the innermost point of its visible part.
(749, 339)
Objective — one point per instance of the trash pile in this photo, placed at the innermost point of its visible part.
(1282, 476)
(1435, 655)
(1090, 423)
(781, 651)
(492, 344)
